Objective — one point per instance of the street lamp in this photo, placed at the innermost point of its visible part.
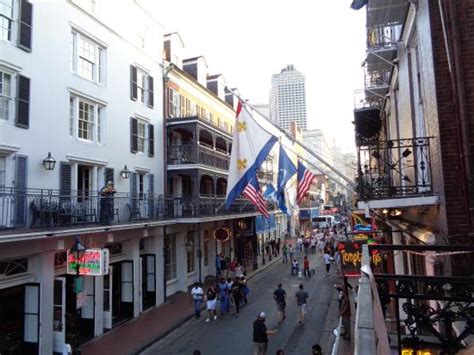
(78, 251)
(49, 162)
(125, 173)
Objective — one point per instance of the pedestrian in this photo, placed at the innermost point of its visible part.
(232, 266)
(245, 289)
(317, 350)
(306, 245)
(291, 251)
(211, 297)
(236, 290)
(284, 250)
(279, 295)
(218, 265)
(327, 261)
(197, 295)
(347, 283)
(294, 267)
(345, 313)
(278, 246)
(280, 352)
(301, 299)
(224, 297)
(107, 202)
(306, 270)
(239, 271)
(260, 335)
(313, 245)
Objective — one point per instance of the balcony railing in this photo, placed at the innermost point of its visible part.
(49, 209)
(192, 153)
(395, 168)
(222, 126)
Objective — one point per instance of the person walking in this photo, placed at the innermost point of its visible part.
(306, 270)
(327, 261)
(224, 300)
(291, 251)
(218, 265)
(345, 313)
(245, 289)
(294, 267)
(197, 295)
(260, 335)
(279, 295)
(301, 299)
(211, 297)
(236, 290)
(284, 250)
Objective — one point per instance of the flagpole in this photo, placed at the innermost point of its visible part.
(342, 176)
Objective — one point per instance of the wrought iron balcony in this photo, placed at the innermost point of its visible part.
(395, 168)
(194, 153)
(39, 209)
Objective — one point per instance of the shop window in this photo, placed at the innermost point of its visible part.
(13, 267)
(170, 255)
(191, 261)
(114, 249)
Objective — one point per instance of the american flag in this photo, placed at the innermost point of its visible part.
(305, 179)
(252, 192)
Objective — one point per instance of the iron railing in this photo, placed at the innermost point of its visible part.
(194, 153)
(395, 168)
(47, 209)
(222, 126)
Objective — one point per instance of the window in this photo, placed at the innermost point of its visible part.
(170, 256)
(141, 86)
(87, 57)
(173, 103)
(5, 95)
(6, 19)
(141, 186)
(190, 251)
(141, 136)
(86, 120)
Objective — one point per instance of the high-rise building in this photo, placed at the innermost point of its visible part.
(288, 98)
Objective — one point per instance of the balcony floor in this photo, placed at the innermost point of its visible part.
(411, 201)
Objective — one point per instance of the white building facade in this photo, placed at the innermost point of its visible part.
(288, 98)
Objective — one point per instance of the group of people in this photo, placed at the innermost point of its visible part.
(227, 292)
(230, 267)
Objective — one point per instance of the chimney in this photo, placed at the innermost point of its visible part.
(172, 48)
(197, 68)
(216, 84)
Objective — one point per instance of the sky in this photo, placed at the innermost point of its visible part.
(248, 41)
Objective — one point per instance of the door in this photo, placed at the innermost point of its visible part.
(31, 314)
(126, 289)
(108, 299)
(206, 269)
(88, 310)
(148, 281)
(59, 314)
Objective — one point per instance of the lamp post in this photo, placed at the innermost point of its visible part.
(125, 172)
(78, 251)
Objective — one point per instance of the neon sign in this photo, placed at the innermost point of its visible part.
(93, 262)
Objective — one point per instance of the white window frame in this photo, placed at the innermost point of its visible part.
(142, 128)
(171, 259)
(98, 125)
(4, 95)
(3, 171)
(10, 21)
(96, 60)
(142, 86)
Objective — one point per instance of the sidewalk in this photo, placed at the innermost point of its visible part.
(135, 335)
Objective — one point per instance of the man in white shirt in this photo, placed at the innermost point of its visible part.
(197, 295)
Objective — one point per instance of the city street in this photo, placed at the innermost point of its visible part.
(231, 335)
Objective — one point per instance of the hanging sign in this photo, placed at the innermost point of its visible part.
(351, 257)
(222, 234)
(93, 262)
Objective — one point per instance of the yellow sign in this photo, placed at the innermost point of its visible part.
(417, 352)
(355, 258)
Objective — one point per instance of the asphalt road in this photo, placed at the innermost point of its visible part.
(229, 335)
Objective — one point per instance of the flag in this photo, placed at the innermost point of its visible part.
(305, 179)
(286, 169)
(250, 147)
(358, 4)
(270, 193)
(252, 192)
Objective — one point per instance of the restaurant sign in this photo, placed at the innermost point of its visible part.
(351, 257)
(93, 262)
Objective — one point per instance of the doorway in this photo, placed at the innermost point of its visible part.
(121, 287)
(84, 182)
(148, 281)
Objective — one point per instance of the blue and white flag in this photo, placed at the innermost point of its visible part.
(270, 193)
(250, 147)
(286, 169)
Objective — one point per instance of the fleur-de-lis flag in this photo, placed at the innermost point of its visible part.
(250, 147)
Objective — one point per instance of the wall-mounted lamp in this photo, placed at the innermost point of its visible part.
(125, 173)
(49, 162)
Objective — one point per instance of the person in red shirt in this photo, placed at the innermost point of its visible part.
(306, 270)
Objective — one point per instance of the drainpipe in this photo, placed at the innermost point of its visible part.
(166, 70)
(199, 253)
(164, 265)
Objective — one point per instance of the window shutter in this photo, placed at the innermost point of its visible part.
(133, 135)
(133, 190)
(151, 140)
(65, 174)
(151, 195)
(151, 100)
(23, 111)
(109, 175)
(20, 189)
(26, 16)
(133, 83)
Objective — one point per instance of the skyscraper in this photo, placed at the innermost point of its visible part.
(288, 98)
